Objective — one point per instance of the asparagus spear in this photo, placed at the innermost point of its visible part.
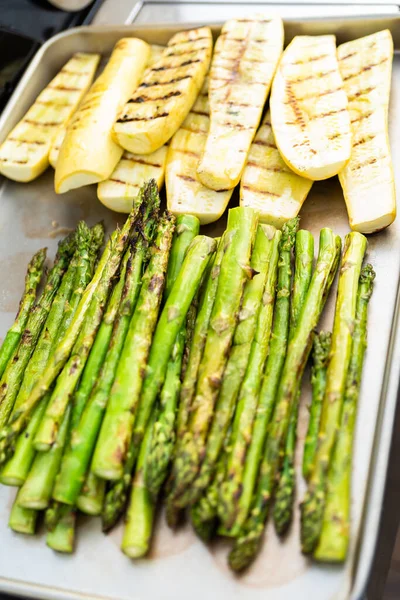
(139, 523)
(163, 437)
(22, 520)
(76, 460)
(109, 264)
(312, 509)
(118, 420)
(248, 541)
(38, 487)
(334, 540)
(36, 491)
(249, 347)
(12, 377)
(235, 269)
(91, 498)
(198, 340)
(187, 227)
(64, 306)
(62, 537)
(304, 256)
(169, 324)
(13, 336)
(322, 345)
(247, 406)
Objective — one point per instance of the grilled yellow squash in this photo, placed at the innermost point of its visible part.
(132, 171)
(88, 153)
(367, 179)
(24, 155)
(244, 62)
(267, 184)
(161, 103)
(309, 114)
(155, 54)
(185, 192)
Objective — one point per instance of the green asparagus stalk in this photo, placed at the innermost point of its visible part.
(322, 345)
(116, 429)
(163, 437)
(36, 491)
(247, 445)
(283, 508)
(22, 520)
(249, 539)
(254, 327)
(206, 304)
(91, 498)
(63, 308)
(139, 523)
(312, 509)
(12, 377)
(62, 537)
(170, 323)
(204, 513)
(105, 270)
(101, 343)
(13, 336)
(187, 227)
(334, 540)
(77, 458)
(235, 269)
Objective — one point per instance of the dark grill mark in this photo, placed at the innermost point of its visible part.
(236, 126)
(142, 161)
(329, 114)
(188, 153)
(126, 119)
(319, 94)
(348, 56)
(187, 52)
(369, 161)
(266, 144)
(313, 76)
(186, 63)
(43, 124)
(367, 68)
(120, 181)
(251, 188)
(312, 59)
(64, 88)
(361, 93)
(17, 162)
(143, 98)
(364, 140)
(334, 136)
(365, 116)
(186, 178)
(189, 41)
(156, 83)
(33, 143)
(200, 112)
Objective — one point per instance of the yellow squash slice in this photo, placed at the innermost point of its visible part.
(24, 155)
(155, 54)
(133, 170)
(268, 185)
(244, 62)
(88, 153)
(367, 179)
(162, 101)
(130, 174)
(185, 192)
(309, 113)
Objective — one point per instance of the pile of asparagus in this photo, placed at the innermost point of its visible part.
(171, 367)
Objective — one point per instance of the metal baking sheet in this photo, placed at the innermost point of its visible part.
(179, 565)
